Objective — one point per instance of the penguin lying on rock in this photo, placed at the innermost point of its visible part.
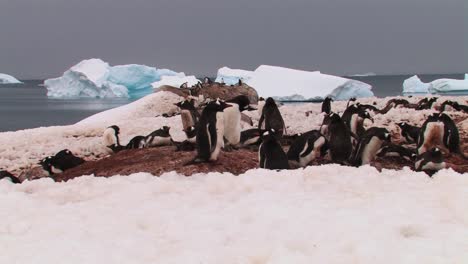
(270, 154)
(369, 144)
(308, 147)
(250, 137)
(61, 162)
(430, 161)
(454, 105)
(409, 132)
(394, 150)
(5, 175)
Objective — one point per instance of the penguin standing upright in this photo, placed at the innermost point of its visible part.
(188, 113)
(326, 105)
(270, 154)
(260, 105)
(307, 147)
(369, 145)
(272, 118)
(232, 118)
(394, 150)
(340, 139)
(354, 118)
(111, 136)
(210, 132)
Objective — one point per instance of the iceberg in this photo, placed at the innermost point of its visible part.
(284, 83)
(8, 79)
(232, 76)
(414, 85)
(96, 78)
(176, 81)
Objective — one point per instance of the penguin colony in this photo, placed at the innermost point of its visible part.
(215, 125)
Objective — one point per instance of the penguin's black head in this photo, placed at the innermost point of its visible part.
(402, 124)
(207, 80)
(184, 85)
(188, 104)
(333, 118)
(240, 82)
(217, 105)
(261, 99)
(241, 100)
(269, 102)
(46, 163)
(116, 129)
(366, 115)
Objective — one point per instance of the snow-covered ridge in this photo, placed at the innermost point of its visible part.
(96, 78)
(8, 79)
(232, 76)
(322, 214)
(414, 85)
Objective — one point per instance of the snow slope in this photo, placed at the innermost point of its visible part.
(8, 79)
(324, 214)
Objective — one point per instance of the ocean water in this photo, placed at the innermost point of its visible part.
(26, 105)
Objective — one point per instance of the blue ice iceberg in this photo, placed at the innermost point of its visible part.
(8, 79)
(289, 84)
(96, 78)
(414, 85)
(232, 76)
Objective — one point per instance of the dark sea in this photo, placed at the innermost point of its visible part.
(26, 105)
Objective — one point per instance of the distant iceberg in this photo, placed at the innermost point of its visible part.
(8, 79)
(367, 74)
(232, 76)
(414, 85)
(284, 84)
(96, 78)
(176, 81)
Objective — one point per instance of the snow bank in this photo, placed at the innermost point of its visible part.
(95, 78)
(414, 85)
(325, 214)
(8, 79)
(283, 83)
(176, 81)
(232, 76)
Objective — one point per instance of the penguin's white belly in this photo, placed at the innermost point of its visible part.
(56, 170)
(232, 126)
(370, 150)
(304, 161)
(158, 141)
(109, 137)
(433, 136)
(187, 119)
(220, 136)
(433, 166)
(251, 141)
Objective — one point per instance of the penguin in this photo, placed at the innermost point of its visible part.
(260, 105)
(8, 176)
(340, 139)
(271, 117)
(426, 103)
(455, 105)
(207, 80)
(326, 105)
(369, 144)
(160, 137)
(191, 133)
(232, 118)
(367, 107)
(393, 103)
(307, 147)
(394, 150)
(210, 132)
(136, 142)
(354, 118)
(270, 154)
(240, 82)
(430, 161)
(352, 99)
(409, 132)
(188, 113)
(60, 162)
(111, 136)
(250, 137)
(451, 138)
(184, 85)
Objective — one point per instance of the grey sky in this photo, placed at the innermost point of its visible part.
(43, 38)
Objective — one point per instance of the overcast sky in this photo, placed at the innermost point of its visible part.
(43, 38)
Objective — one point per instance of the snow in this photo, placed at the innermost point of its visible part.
(232, 76)
(176, 81)
(96, 78)
(283, 82)
(323, 214)
(8, 79)
(414, 85)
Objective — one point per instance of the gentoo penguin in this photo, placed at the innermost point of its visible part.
(207, 80)
(270, 154)
(354, 118)
(260, 105)
(439, 130)
(188, 113)
(184, 85)
(367, 107)
(326, 105)
(210, 132)
(160, 137)
(430, 161)
(8, 176)
(250, 137)
(352, 99)
(240, 82)
(426, 103)
(369, 144)
(307, 147)
(340, 139)
(409, 132)
(272, 118)
(111, 136)
(232, 118)
(62, 161)
(136, 142)
(394, 150)
(393, 103)
(454, 105)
